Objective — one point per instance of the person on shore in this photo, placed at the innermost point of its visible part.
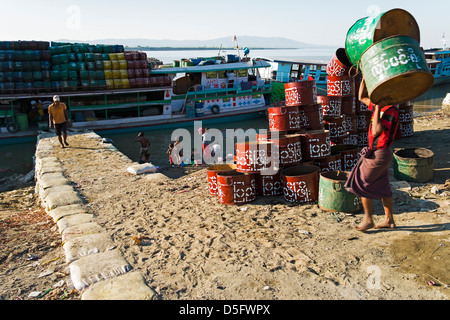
(144, 155)
(369, 179)
(59, 119)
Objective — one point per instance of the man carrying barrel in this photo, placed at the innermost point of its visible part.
(369, 179)
(59, 118)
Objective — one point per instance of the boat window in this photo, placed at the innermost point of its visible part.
(222, 74)
(242, 73)
(211, 75)
(295, 67)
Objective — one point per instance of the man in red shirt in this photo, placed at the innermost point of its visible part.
(369, 179)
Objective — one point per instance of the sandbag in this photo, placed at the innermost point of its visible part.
(138, 169)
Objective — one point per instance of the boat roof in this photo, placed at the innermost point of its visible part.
(296, 62)
(213, 67)
(436, 50)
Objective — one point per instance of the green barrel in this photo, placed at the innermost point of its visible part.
(22, 121)
(413, 164)
(369, 30)
(333, 196)
(395, 70)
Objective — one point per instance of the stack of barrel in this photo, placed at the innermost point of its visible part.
(24, 66)
(406, 120)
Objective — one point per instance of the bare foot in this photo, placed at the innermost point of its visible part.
(66, 143)
(386, 225)
(363, 226)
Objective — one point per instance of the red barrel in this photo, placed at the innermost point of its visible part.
(269, 185)
(300, 93)
(341, 140)
(406, 129)
(349, 155)
(256, 156)
(363, 120)
(361, 107)
(336, 126)
(332, 162)
(235, 188)
(349, 105)
(331, 105)
(339, 65)
(352, 138)
(350, 122)
(339, 86)
(284, 118)
(212, 176)
(363, 138)
(301, 183)
(311, 116)
(289, 147)
(405, 113)
(315, 144)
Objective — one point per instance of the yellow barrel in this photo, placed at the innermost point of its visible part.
(116, 74)
(112, 56)
(115, 64)
(108, 75)
(107, 65)
(109, 84)
(125, 83)
(120, 56)
(123, 64)
(123, 74)
(117, 83)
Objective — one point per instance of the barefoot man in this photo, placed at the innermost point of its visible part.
(59, 119)
(144, 155)
(369, 179)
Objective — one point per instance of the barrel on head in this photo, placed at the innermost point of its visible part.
(333, 196)
(301, 183)
(236, 188)
(212, 176)
(369, 30)
(395, 70)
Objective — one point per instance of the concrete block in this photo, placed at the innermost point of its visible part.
(130, 286)
(74, 220)
(65, 211)
(91, 269)
(87, 245)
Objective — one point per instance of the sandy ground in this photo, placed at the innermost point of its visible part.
(195, 248)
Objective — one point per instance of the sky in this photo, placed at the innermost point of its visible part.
(323, 22)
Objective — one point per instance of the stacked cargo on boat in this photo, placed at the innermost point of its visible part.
(38, 66)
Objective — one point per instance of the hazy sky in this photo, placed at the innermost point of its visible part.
(312, 21)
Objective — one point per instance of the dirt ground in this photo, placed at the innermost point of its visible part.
(194, 248)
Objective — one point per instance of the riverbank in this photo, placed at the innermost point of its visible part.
(195, 248)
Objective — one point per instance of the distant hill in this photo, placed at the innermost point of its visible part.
(226, 42)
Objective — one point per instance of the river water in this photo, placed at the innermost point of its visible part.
(18, 159)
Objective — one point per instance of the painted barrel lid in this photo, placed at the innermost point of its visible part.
(395, 70)
(369, 30)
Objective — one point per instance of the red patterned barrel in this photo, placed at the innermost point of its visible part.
(363, 138)
(315, 144)
(336, 126)
(341, 140)
(300, 93)
(235, 188)
(350, 122)
(349, 105)
(289, 147)
(352, 138)
(256, 156)
(339, 65)
(363, 120)
(349, 155)
(405, 130)
(339, 86)
(301, 183)
(362, 107)
(212, 176)
(331, 105)
(311, 116)
(333, 162)
(284, 118)
(405, 113)
(269, 185)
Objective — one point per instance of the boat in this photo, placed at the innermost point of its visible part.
(211, 89)
(284, 71)
(438, 61)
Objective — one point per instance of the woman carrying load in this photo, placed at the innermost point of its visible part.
(369, 179)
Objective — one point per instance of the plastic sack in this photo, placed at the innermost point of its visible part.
(144, 168)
